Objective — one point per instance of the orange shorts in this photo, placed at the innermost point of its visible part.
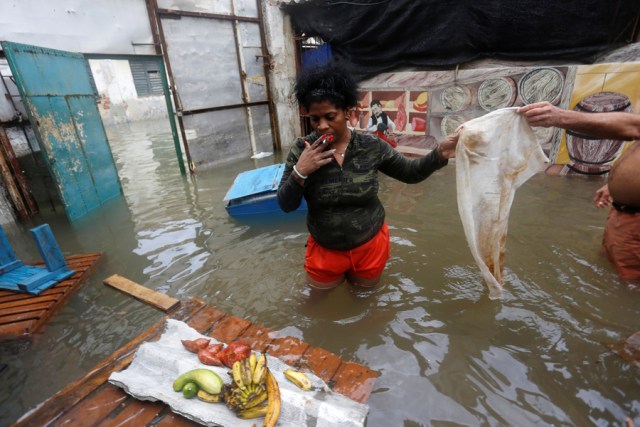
(367, 260)
(621, 243)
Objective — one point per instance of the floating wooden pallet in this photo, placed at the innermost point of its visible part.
(92, 400)
(23, 314)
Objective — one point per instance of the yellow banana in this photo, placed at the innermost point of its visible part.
(247, 377)
(253, 360)
(300, 379)
(256, 399)
(210, 398)
(273, 407)
(260, 371)
(237, 374)
(255, 412)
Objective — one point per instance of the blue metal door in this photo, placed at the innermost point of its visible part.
(59, 98)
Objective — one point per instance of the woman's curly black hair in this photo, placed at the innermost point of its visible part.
(331, 83)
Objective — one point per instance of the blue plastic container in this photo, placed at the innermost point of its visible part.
(254, 192)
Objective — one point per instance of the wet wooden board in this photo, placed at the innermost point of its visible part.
(92, 400)
(149, 296)
(23, 314)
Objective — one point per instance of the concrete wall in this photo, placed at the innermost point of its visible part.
(96, 26)
(279, 39)
(119, 101)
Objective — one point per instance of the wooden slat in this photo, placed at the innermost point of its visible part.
(175, 420)
(26, 301)
(15, 330)
(90, 411)
(229, 328)
(258, 337)
(141, 293)
(320, 361)
(206, 318)
(19, 177)
(354, 380)
(57, 405)
(22, 317)
(288, 349)
(135, 413)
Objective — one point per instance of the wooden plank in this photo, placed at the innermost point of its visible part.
(90, 411)
(206, 318)
(288, 349)
(26, 301)
(258, 336)
(15, 330)
(57, 405)
(321, 362)
(17, 173)
(135, 413)
(10, 183)
(141, 293)
(21, 316)
(174, 420)
(229, 328)
(354, 380)
(55, 292)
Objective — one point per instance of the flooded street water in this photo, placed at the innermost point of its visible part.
(447, 354)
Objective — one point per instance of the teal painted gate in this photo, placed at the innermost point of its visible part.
(60, 101)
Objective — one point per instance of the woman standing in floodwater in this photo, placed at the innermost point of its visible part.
(336, 170)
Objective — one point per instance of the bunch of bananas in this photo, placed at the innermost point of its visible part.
(251, 388)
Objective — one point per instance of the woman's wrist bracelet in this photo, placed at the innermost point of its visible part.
(297, 172)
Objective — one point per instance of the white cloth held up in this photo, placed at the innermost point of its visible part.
(496, 154)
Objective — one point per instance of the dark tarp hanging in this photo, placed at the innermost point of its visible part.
(381, 35)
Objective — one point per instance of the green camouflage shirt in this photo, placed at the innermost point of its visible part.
(344, 209)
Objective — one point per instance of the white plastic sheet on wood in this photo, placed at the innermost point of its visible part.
(157, 364)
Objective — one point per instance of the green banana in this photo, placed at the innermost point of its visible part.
(205, 379)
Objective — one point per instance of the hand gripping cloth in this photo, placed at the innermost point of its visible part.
(496, 154)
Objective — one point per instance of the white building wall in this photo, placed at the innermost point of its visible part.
(119, 102)
(87, 26)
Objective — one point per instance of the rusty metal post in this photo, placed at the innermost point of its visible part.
(156, 29)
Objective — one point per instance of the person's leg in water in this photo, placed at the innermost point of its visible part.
(369, 260)
(325, 268)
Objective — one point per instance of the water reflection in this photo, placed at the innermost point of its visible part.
(446, 353)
